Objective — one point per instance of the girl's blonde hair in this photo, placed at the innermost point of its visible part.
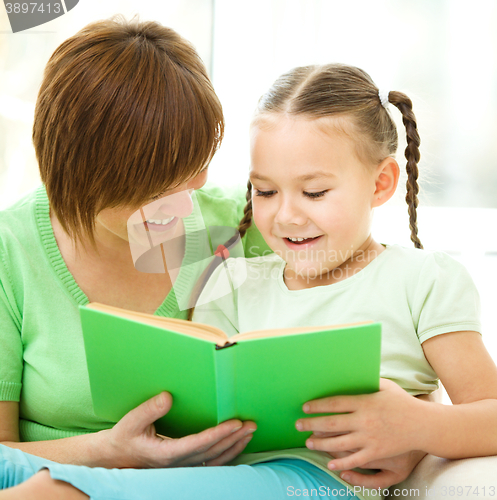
(341, 91)
(345, 91)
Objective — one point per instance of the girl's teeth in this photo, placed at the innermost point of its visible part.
(163, 222)
(300, 239)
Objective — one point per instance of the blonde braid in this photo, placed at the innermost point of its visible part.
(246, 220)
(412, 154)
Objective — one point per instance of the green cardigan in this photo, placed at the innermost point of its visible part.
(42, 359)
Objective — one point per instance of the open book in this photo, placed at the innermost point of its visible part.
(264, 376)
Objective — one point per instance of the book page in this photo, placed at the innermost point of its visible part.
(290, 331)
(199, 330)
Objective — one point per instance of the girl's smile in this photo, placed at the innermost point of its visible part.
(313, 197)
(295, 243)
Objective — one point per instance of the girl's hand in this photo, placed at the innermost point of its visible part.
(375, 426)
(133, 442)
(392, 470)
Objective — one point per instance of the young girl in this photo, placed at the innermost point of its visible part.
(322, 146)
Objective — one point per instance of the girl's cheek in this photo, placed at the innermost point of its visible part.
(255, 212)
(260, 219)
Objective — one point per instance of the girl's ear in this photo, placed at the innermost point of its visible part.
(386, 180)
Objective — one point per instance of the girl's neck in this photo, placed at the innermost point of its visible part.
(358, 260)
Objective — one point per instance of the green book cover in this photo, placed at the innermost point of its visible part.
(132, 357)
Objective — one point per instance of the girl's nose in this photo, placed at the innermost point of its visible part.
(289, 214)
(179, 204)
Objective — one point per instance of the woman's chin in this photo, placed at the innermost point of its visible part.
(138, 235)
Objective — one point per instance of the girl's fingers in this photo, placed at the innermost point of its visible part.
(327, 434)
(354, 460)
(382, 479)
(336, 424)
(341, 454)
(334, 404)
(346, 442)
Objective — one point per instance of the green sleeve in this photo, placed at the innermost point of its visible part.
(255, 245)
(218, 302)
(223, 205)
(11, 352)
(446, 299)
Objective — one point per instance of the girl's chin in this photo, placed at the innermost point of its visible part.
(308, 272)
(299, 271)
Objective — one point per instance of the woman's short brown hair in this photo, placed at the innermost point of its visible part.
(125, 110)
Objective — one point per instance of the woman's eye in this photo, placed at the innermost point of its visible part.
(265, 194)
(316, 195)
(159, 196)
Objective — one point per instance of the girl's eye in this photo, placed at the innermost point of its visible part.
(316, 195)
(264, 194)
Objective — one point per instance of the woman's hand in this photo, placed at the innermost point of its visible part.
(133, 442)
(374, 426)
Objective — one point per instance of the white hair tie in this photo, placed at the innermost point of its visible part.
(383, 95)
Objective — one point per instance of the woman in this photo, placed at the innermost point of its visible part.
(126, 115)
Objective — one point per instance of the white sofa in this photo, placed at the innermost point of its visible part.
(441, 229)
(439, 478)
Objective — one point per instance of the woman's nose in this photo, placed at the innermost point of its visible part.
(179, 204)
(198, 181)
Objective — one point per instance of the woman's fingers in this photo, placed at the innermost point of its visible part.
(198, 448)
(162, 436)
(227, 449)
(203, 441)
(230, 447)
(211, 443)
(136, 443)
(139, 420)
(132, 442)
(232, 452)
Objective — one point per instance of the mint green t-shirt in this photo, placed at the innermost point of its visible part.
(42, 358)
(415, 294)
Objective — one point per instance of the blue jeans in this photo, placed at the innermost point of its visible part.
(274, 480)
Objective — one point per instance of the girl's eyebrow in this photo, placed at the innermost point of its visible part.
(306, 177)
